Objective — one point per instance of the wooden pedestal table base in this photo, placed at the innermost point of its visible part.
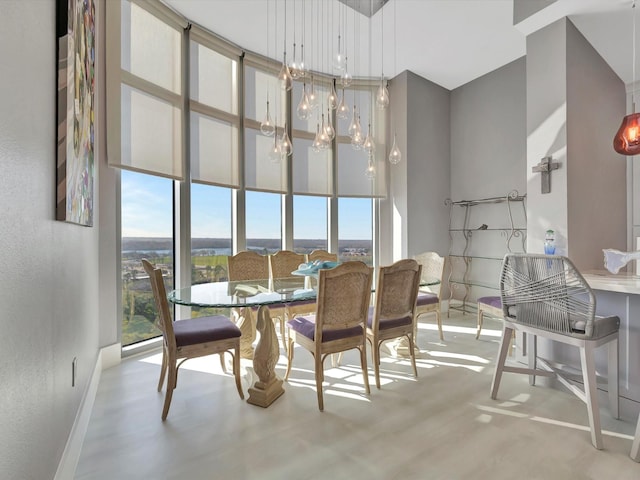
(246, 323)
(269, 387)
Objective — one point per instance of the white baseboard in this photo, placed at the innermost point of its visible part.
(107, 357)
(111, 355)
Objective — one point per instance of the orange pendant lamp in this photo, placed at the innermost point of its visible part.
(627, 138)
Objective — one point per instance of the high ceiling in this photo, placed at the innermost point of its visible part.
(449, 42)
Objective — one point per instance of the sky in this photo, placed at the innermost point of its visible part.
(147, 212)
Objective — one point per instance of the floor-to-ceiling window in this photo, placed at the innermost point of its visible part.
(309, 223)
(199, 119)
(146, 205)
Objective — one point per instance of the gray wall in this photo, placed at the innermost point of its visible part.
(488, 141)
(596, 103)
(419, 184)
(488, 159)
(574, 106)
(49, 287)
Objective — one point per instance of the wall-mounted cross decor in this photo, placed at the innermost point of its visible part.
(545, 166)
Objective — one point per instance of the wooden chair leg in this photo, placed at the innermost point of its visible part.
(612, 379)
(222, 364)
(172, 375)
(365, 370)
(439, 320)
(375, 353)
(319, 376)
(635, 447)
(163, 368)
(480, 319)
(413, 356)
(236, 369)
(502, 358)
(591, 393)
(289, 357)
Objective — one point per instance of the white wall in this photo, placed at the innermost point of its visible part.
(49, 288)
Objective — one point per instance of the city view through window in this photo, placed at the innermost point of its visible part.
(147, 232)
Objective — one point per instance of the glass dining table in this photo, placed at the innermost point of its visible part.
(250, 301)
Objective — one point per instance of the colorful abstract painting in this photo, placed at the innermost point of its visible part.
(76, 76)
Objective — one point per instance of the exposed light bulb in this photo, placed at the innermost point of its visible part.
(275, 153)
(353, 126)
(342, 112)
(346, 79)
(395, 155)
(266, 126)
(285, 144)
(370, 172)
(315, 146)
(368, 144)
(382, 96)
(332, 98)
(303, 109)
(339, 59)
(312, 97)
(329, 130)
(286, 81)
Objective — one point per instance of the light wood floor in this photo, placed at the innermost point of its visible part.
(441, 426)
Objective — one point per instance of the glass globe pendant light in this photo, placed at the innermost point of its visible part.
(332, 98)
(315, 146)
(329, 130)
(357, 140)
(285, 144)
(266, 126)
(275, 153)
(368, 144)
(303, 109)
(324, 139)
(312, 97)
(353, 126)
(346, 79)
(395, 155)
(382, 95)
(286, 80)
(342, 112)
(370, 172)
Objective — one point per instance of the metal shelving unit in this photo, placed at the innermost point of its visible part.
(463, 255)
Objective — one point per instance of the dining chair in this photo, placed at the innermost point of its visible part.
(322, 255)
(429, 296)
(248, 265)
(339, 322)
(546, 296)
(189, 338)
(394, 313)
(281, 264)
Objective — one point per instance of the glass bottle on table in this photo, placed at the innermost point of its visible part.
(549, 242)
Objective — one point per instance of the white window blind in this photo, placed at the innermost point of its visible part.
(214, 119)
(144, 88)
(260, 171)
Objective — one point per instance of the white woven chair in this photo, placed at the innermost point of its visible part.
(546, 296)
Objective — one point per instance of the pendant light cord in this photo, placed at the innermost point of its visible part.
(633, 85)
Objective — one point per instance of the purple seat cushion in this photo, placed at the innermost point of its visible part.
(306, 326)
(204, 329)
(492, 301)
(426, 299)
(388, 322)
